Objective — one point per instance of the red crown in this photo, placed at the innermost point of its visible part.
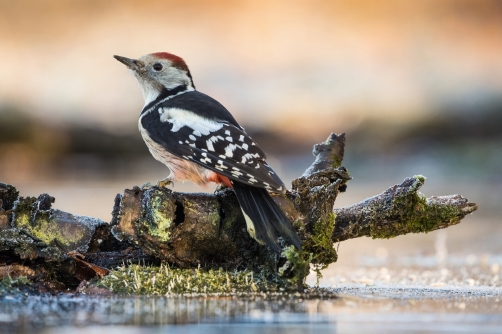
(175, 60)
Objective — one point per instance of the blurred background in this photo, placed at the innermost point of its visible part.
(415, 85)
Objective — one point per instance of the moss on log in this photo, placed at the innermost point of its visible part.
(400, 210)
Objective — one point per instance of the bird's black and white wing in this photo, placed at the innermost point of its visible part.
(193, 126)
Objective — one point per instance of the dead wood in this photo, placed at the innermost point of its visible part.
(208, 230)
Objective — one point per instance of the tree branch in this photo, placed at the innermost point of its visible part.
(399, 210)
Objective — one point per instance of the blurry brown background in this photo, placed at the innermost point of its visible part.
(416, 85)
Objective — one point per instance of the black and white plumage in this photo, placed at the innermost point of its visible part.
(199, 140)
(218, 144)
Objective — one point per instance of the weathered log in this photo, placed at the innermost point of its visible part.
(208, 230)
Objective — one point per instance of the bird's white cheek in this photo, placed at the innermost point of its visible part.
(173, 77)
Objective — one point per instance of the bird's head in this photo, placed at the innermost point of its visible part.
(157, 72)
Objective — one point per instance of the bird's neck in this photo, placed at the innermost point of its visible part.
(165, 94)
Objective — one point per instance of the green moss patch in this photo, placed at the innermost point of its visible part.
(317, 250)
(162, 280)
(415, 214)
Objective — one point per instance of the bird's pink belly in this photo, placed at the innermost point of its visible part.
(181, 169)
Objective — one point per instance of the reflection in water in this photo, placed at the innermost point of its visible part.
(251, 313)
(36, 312)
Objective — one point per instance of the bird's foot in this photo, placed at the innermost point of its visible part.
(165, 183)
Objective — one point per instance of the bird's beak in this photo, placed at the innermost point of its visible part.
(132, 64)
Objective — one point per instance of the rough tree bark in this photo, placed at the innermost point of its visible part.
(208, 230)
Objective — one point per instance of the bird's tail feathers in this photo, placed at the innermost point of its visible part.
(264, 218)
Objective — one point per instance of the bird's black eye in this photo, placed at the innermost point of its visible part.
(157, 67)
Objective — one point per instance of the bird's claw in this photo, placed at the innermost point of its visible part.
(165, 183)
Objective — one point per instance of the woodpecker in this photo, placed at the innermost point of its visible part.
(200, 141)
